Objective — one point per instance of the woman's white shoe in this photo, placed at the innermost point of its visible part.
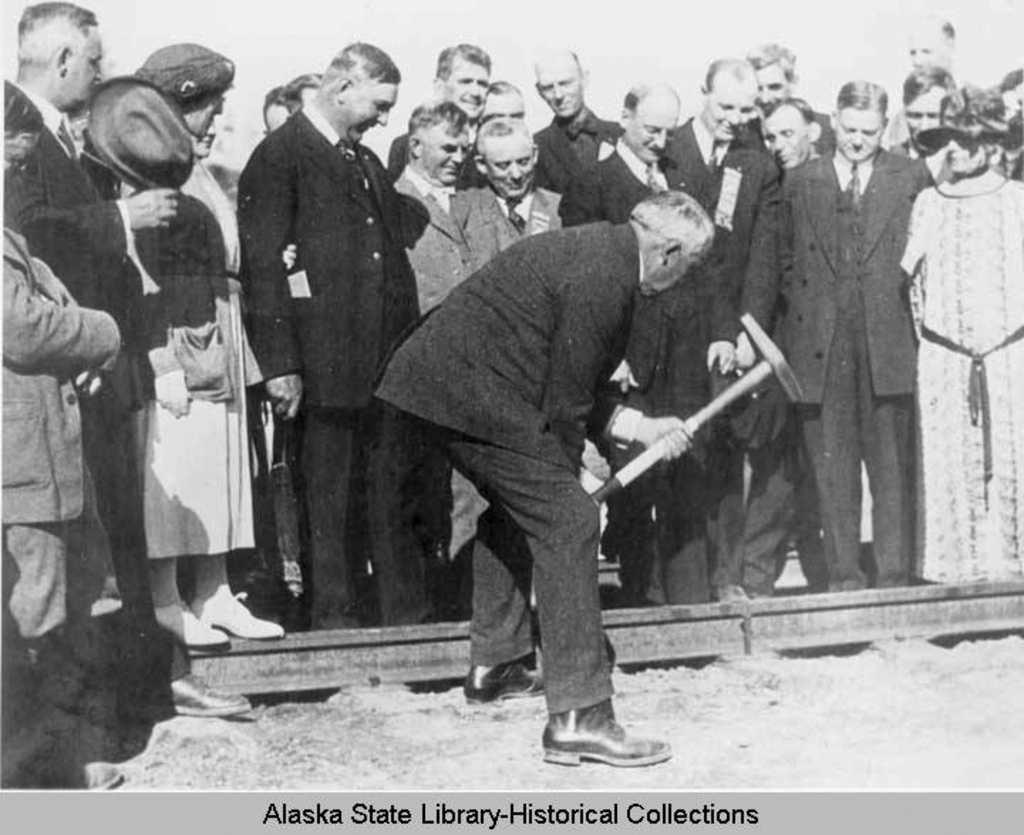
(188, 629)
(227, 612)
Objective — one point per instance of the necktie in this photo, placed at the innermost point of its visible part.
(351, 154)
(717, 154)
(516, 219)
(64, 135)
(854, 187)
(654, 179)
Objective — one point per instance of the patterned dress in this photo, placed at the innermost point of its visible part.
(966, 257)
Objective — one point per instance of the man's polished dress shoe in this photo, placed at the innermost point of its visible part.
(194, 697)
(101, 776)
(591, 733)
(510, 680)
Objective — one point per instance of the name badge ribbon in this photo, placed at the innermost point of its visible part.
(731, 179)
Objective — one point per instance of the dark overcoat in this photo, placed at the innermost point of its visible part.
(558, 164)
(352, 293)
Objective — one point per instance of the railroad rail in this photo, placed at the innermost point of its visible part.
(336, 658)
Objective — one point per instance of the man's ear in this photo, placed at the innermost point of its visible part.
(415, 147)
(439, 91)
(478, 160)
(62, 59)
(814, 131)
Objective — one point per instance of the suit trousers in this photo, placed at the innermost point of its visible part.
(854, 425)
(354, 463)
(51, 700)
(539, 514)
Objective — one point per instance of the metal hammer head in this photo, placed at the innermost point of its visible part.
(773, 356)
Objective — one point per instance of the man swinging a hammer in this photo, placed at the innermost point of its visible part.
(507, 374)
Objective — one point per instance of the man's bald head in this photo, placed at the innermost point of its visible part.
(561, 82)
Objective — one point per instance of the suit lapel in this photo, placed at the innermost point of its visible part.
(439, 218)
(880, 200)
(693, 174)
(820, 197)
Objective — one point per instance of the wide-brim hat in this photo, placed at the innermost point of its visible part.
(188, 72)
(139, 134)
(973, 114)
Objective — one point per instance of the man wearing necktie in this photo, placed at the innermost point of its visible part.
(511, 206)
(638, 167)
(576, 140)
(686, 348)
(321, 327)
(848, 334)
(85, 237)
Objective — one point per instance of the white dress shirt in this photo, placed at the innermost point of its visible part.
(441, 194)
(640, 169)
(844, 172)
(321, 124)
(707, 144)
(522, 208)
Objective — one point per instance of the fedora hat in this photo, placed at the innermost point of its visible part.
(139, 134)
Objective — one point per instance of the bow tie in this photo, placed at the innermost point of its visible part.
(574, 127)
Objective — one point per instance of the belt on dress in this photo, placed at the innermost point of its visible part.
(977, 390)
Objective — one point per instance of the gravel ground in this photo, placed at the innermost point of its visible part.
(905, 714)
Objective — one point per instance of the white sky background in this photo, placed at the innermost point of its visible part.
(621, 43)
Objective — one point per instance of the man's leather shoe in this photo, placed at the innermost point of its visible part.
(591, 733)
(510, 680)
(194, 697)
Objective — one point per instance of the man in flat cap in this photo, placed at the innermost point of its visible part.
(321, 327)
(505, 375)
(88, 241)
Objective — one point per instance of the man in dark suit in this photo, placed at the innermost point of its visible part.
(738, 185)
(506, 373)
(638, 167)
(321, 328)
(511, 207)
(88, 241)
(848, 333)
(463, 78)
(775, 66)
(576, 140)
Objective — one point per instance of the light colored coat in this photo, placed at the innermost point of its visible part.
(437, 250)
(48, 340)
(487, 229)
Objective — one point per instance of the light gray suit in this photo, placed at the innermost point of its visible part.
(438, 251)
(480, 216)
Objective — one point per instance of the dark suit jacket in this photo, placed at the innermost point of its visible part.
(487, 228)
(810, 260)
(298, 188)
(558, 164)
(398, 158)
(609, 191)
(67, 224)
(516, 354)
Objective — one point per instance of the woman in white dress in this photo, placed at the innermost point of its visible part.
(965, 256)
(195, 464)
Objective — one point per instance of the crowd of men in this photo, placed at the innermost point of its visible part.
(468, 434)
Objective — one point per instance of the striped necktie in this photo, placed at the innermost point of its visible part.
(64, 136)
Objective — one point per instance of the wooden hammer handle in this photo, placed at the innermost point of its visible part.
(656, 451)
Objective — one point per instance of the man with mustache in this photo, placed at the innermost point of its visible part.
(463, 78)
(321, 327)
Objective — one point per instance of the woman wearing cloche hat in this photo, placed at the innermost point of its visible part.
(965, 256)
(197, 490)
